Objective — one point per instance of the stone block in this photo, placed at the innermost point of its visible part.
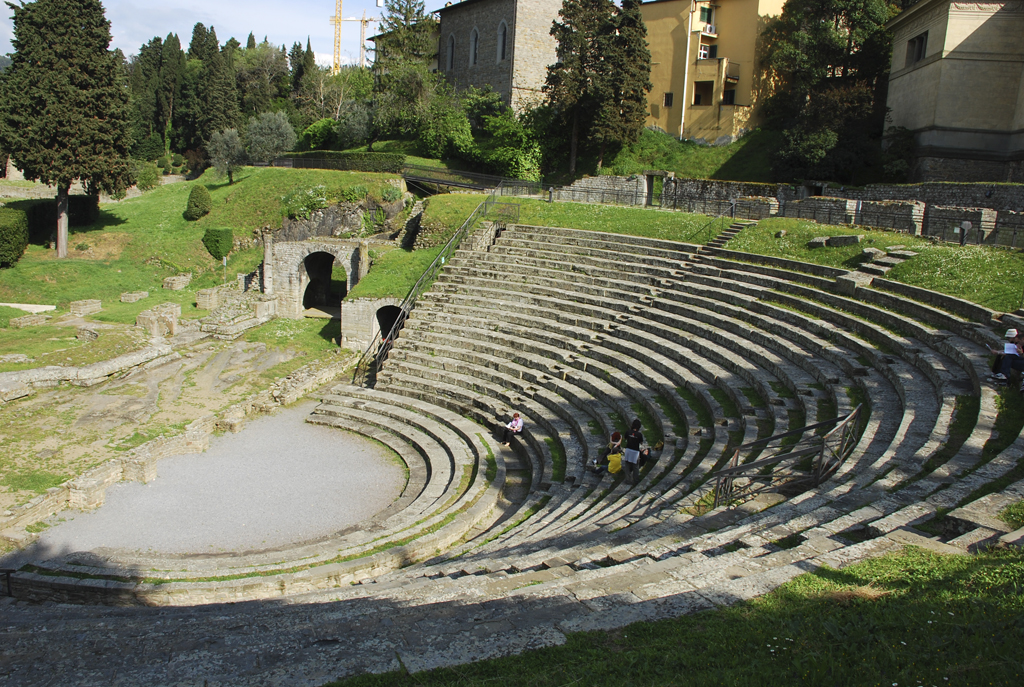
(28, 321)
(134, 296)
(944, 222)
(86, 334)
(264, 308)
(177, 283)
(87, 307)
(1015, 538)
(208, 299)
(818, 242)
(780, 234)
(845, 240)
(160, 321)
(10, 391)
(756, 207)
(871, 254)
(822, 209)
(902, 215)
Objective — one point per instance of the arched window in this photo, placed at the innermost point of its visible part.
(502, 39)
(450, 58)
(474, 41)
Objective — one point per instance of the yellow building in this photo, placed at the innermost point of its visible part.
(704, 70)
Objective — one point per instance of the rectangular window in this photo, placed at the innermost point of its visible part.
(668, 100)
(707, 15)
(703, 52)
(915, 49)
(696, 98)
(713, 51)
(729, 97)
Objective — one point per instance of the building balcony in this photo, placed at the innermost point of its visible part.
(732, 73)
(709, 30)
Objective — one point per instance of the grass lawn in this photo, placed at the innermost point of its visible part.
(910, 618)
(993, 277)
(447, 212)
(393, 273)
(748, 159)
(138, 242)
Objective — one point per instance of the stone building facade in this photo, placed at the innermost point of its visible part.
(504, 44)
(957, 83)
(704, 66)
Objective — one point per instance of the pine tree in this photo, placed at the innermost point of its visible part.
(403, 84)
(625, 79)
(251, 42)
(172, 69)
(296, 66)
(574, 82)
(64, 104)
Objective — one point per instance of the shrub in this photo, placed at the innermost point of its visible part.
(149, 148)
(199, 203)
(196, 161)
(388, 163)
(301, 203)
(162, 162)
(353, 194)
(392, 193)
(13, 235)
(219, 241)
(177, 160)
(146, 177)
(319, 135)
(269, 135)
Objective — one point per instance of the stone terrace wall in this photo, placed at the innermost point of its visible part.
(605, 189)
(901, 215)
(822, 209)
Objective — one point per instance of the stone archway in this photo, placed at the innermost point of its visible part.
(386, 318)
(323, 287)
(308, 273)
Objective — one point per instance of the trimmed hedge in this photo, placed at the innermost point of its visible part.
(199, 203)
(391, 163)
(13, 235)
(219, 241)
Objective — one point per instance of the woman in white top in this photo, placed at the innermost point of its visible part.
(512, 428)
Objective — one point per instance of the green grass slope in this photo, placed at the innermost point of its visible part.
(748, 159)
(911, 618)
(138, 242)
(992, 277)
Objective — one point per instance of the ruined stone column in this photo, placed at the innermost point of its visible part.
(268, 260)
(364, 259)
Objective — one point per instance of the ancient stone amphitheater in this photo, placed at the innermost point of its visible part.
(492, 550)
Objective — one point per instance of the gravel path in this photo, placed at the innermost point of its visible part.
(279, 481)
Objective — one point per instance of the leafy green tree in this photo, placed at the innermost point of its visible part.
(403, 83)
(624, 79)
(515, 152)
(574, 82)
(208, 94)
(227, 153)
(64, 103)
(269, 134)
(827, 61)
(261, 74)
(444, 130)
(250, 43)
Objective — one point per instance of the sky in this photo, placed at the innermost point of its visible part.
(134, 22)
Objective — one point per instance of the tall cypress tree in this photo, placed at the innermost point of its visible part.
(250, 43)
(625, 79)
(172, 70)
(296, 66)
(575, 81)
(63, 103)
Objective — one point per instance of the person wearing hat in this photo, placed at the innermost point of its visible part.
(1012, 357)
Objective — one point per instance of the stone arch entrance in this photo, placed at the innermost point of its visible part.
(386, 318)
(312, 273)
(323, 287)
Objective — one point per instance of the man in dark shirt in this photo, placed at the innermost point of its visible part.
(631, 452)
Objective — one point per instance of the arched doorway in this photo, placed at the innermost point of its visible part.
(327, 283)
(386, 318)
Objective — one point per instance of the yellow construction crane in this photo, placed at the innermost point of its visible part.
(337, 19)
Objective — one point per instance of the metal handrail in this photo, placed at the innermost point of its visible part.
(828, 458)
(377, 352)
(689, 238)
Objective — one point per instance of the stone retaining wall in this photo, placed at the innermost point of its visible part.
(605, 189)
(823, 209)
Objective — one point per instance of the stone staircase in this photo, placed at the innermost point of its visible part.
(492, 550)
(730, 233)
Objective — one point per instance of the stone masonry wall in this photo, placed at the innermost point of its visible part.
(901, 215)
(485, 16)
(359, 320)
(533, 49)
(605, 189)
(289, 276)
(823, 209)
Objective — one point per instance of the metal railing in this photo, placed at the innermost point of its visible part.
(709, 230)
(442, 176)
(376, 353)
(826, 453)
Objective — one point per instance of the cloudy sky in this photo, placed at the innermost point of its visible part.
(134, 22)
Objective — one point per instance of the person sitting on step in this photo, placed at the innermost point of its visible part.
(1010, 358)
(511, 429)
